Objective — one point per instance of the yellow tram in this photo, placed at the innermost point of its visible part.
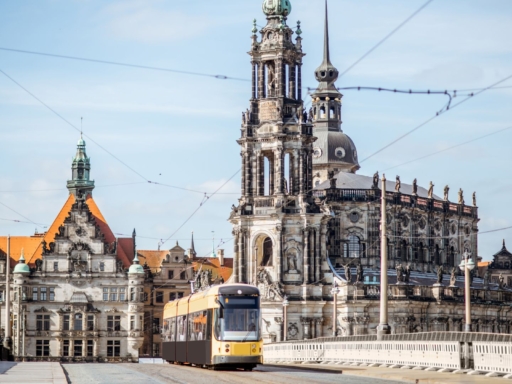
(215, 328)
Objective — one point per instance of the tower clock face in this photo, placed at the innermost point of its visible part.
(317, 152)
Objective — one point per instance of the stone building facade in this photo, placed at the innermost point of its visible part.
(307, 228)
(80, 299)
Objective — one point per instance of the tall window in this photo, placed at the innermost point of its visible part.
(183, 275)
(159, 297)
(172, 296)
(34, 294)
(78, 347)
(42, 347)
(42, 294)
(113, 294)
(113, 348)
(132, 294)
(105, 294)
(132, 323)
(43, 322)
(52, 294)
(55, 266)
(113, 323)
(65, 348)
(78, 322)
(353, 247)
(156, 325)
(102, 267)
(180, 295)
(90, 322)
(122, 294)
(170, 275)
(90, 348)
(65, 323)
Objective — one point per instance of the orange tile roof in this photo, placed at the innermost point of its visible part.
(152, 258)
(33, 247)
(213, 264)
(29, 244)
(484, 263)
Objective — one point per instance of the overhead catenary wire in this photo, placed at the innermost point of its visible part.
(19, 214)
(385, 38)
(447, 149)
(433, 117)
(139, 66)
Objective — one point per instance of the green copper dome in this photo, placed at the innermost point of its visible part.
(136, 268)
(277, 7)
(21, 267)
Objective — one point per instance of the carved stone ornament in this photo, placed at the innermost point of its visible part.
(293, 331)
(79, 246)
(270, 290)
(422, 223)
(80, 232)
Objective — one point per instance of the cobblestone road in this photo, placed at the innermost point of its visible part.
(163, 373)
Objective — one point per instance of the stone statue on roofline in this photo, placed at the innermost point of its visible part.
(487, 279)
(431, 191)
(348, 273)
(453, 277)
(359, 273)
(398, 184)
(446, 192)
(375, 184)
(461, 196)
(474, 199)
(415, 187)
(501, 281)
(440, 274)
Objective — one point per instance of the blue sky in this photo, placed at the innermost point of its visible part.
(181, 130)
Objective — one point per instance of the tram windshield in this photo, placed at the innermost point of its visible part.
(238, 320)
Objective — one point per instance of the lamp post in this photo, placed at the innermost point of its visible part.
(383, 328)
(335, 290)
(466, 265)
(285, 320)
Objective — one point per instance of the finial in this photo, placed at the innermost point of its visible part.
(81, 126)
(254, 28)
(299, 31)
(22, 257)
(503, 243)
(283, 24)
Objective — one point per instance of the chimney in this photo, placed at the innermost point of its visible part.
(220, 255)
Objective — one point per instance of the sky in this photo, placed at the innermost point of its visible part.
(181, 130)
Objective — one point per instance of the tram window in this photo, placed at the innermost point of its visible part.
(237, 324)
(182, 328)
(198, 326)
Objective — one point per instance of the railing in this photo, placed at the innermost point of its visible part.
(441, 350)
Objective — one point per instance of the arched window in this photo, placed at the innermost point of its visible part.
(331, 113)
(322, 112)
(353, 247)
(78, 322)
(267, 253)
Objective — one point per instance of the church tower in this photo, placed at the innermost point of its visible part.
(80, 171)
(334, 151)
(278, 227)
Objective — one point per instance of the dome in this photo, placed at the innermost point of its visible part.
(136, 268)
(277, 7)
(81, 142)
(335, 147)
(21, 267)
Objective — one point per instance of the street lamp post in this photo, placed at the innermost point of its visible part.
(383, 328)
(285, 320)
(467, 264)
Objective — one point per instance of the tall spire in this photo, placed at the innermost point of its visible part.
(80, 171)
(326, 74)
(327, 57)
(192, 246)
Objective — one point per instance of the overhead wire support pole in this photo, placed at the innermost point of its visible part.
(383, 328)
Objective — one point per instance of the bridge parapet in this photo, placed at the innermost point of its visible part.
(484, 352)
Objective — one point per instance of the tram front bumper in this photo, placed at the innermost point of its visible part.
(237, 360)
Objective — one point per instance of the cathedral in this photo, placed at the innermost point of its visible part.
(307, 226)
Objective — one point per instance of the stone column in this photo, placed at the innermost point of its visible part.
(296, 182)
(255, 174)
(280, 83)
(299, 82)
(278, 171)
(301, 172)
(241, 278)
(261, 175)
(278, 252)
(310, 173)
(323, 250)
(285, 318)
(236, 255)
(305, 267)
(318, 267)
(334, 292)
(261, 80)
(292, 93)
(271, 175)
(253, 79)
(242, 155)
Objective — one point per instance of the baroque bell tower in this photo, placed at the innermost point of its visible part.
(278, 226)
